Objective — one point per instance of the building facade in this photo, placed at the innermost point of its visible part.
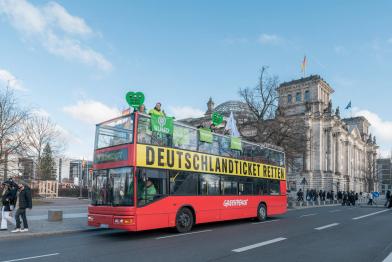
(384, 170)
(340, 153)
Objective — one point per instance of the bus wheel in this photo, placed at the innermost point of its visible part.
(262, 212)
(184, 220)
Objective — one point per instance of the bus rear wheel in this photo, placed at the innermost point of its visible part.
(262, 212)
(184, 220)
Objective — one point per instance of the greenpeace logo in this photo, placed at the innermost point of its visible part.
(235, 203)
(162, 123)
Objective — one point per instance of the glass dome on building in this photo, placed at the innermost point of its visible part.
(237, 107)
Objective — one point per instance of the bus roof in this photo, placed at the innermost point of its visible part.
(265, 145)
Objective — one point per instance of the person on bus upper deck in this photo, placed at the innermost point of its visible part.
(213, 128)
(157, 110)
(142, 109)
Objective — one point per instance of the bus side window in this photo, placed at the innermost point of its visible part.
(229, 185)
(183, 183)
(245, 186)
(261, 187)
(209, 185)
(152, 185)
(274, 187)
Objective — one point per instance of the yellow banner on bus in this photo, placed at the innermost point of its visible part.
(176, 159)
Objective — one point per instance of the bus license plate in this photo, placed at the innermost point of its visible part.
(104, 226)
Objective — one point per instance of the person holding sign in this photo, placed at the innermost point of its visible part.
(157, 110)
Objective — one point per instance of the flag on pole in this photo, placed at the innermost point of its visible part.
(231, 126)
(303, 65)
(348, 105)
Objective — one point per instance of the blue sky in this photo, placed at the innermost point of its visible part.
(75, 60)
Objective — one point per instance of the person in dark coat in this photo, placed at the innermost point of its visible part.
(390, 201)
(300, 195)
(24, 201)
(388, 198)
(6, 210)
(345, 198)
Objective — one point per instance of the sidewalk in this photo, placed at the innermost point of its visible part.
(311, 204)
(74, 219)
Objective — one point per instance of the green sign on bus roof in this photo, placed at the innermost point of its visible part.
(135, 99)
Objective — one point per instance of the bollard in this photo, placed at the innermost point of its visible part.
(55, 215)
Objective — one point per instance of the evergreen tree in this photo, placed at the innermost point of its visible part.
(47, 165)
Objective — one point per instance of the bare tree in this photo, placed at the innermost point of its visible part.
(41, 131)
(12, 117)
(268, 122)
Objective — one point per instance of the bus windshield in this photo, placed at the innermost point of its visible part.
(118, 131)
(113, 187)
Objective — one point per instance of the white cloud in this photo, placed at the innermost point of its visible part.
(40, 112)
(8, 79)
(72, 50)
(24, 16)
(92, 112)
(267, 39)
(381, 128)
(55, 29)
(68, 136)
(71, 24)
(181, 112)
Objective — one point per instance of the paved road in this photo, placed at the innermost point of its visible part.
(314, 234)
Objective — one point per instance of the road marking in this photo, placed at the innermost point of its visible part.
(371, 214)
(242, 249)
(308, 215)
(327, 226)
(28, 258)
(263, 222)
(388, 258)
(184, 234)
(335, 210)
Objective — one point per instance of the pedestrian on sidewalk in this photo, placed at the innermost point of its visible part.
(300, 195)
(6, 211)
(390, 202)
(23, 201)
(388, 198)
(370, 202)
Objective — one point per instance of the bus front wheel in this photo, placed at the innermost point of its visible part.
(262, 212)
(184, 220)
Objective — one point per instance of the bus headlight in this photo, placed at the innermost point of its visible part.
(123, 221)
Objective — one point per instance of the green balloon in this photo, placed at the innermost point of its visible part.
(217, 119)
(135, 99)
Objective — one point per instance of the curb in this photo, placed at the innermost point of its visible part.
(306, 207)
(41, 234)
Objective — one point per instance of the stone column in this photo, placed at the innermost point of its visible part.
(337, 153)
(329, 145)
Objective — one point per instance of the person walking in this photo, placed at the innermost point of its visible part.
(300, 195)
(388, 198)
(23, 201)
(370, 202)
(6, 211)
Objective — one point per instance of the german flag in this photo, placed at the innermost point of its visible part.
(303, 65)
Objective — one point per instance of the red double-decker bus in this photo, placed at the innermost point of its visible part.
(146, 180)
